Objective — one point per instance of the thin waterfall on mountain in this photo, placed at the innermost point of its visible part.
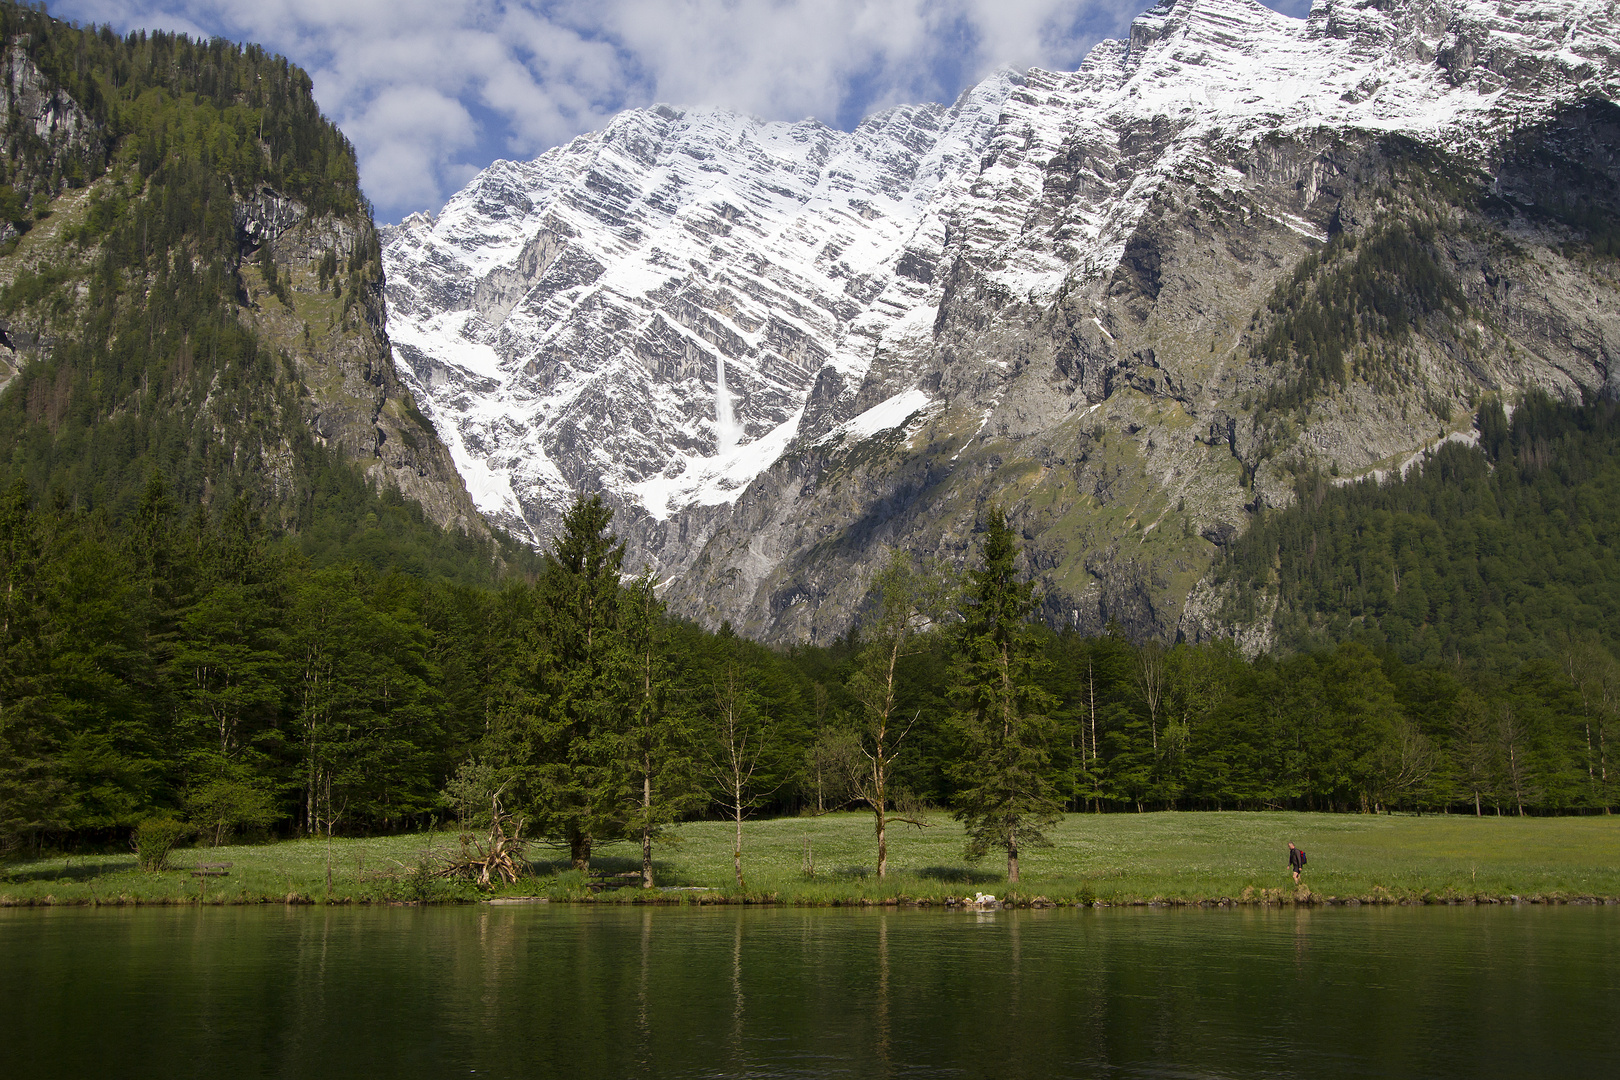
(725, 425)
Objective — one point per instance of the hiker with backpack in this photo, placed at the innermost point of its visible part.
(1296, 861)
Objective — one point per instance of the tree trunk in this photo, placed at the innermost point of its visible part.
(736, 851)
(647, 831)
(1092, 682)
(1603, 767)
(883, 843)
(1591, 773)
(1012, 858)
(329, 824)
(579, 852)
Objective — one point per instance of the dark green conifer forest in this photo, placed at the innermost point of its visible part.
(177, 665)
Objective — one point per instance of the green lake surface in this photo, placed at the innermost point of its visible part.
(597, 991)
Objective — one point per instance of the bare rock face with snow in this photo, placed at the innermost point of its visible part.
(647, 310)
(783, 350)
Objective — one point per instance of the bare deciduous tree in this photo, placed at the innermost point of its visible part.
(735, 753)
(908, 603)
(1405, 763)
(832, 759)
(1473, 750)
(1596, 678)
(656, 736)
(1149, 673)
(1512, 739)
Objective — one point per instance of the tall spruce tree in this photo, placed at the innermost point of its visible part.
(578, 781)
(1005, 794)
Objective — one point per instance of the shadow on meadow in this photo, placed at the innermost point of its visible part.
(85, 872)
(959, 875)
(600, 864)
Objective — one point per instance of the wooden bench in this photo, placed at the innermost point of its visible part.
(211, 869)
(599, 880)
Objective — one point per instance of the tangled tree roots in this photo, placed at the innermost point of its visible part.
(500, 858)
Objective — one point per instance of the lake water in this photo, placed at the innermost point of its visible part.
(544, 991)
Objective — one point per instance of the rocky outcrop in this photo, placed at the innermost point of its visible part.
(47, 139)
(43, 111)
(334, 332)
(261, 217)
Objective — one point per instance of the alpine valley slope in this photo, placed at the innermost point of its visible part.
(1133, 303)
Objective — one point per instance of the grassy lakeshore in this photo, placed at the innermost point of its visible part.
(1110, 858)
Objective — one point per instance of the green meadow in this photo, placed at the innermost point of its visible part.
(1106, 858)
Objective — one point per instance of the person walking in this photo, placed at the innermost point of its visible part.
(1296, 861)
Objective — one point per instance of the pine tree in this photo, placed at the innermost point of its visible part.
(1005, 794)
(577, 781)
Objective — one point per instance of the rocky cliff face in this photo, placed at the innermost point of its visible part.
(1128, 302)
(649, 309)
(310, 291)
(356, 403)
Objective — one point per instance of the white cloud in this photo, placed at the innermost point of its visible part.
(431, 90)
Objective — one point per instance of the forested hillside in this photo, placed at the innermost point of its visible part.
(190, 287)
(1481, 556)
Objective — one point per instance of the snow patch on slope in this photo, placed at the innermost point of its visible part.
(710, 481)
(887, 415)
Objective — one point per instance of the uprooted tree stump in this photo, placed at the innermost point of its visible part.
(498, 858)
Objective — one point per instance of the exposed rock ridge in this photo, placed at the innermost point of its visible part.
(357, 404)
(565, 319)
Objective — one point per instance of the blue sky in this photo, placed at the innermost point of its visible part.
(431, 91)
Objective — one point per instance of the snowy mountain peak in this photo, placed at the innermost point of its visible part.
(663, 308)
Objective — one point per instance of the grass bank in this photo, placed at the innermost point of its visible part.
(1107, 859)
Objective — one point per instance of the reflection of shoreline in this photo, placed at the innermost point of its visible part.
(1262, 900)
(851, 992)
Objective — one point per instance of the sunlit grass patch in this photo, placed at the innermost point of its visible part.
(1113, 858)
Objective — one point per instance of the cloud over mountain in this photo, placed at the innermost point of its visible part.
(432, 90)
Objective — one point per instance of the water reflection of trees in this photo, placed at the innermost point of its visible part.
(743, 992)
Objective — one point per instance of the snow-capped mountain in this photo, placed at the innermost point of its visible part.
(672, 308)
(647, 308)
